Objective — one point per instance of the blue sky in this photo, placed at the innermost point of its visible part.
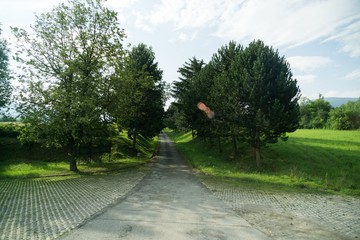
(319, 38)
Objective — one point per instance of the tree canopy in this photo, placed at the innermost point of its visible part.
(345, 117)
(69, 61)
(314, 114)
(5, 87)
(251, 90)
(140, 91)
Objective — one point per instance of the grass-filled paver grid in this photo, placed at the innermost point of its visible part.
(338, 213)
(45, 208)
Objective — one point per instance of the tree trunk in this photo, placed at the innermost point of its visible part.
(257, 149)
(234, 146)
(219, 144)
(134, 140)
(257, 156)
(73, 164)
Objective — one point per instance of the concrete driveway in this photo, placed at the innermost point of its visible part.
(170, 203)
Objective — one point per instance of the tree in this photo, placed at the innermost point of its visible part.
(314, 114)
(69, 63)
(174, 119)
(225, 93)
(345, 117)
(5, 87)
(141, 94)
(186, 93)
(269, 95)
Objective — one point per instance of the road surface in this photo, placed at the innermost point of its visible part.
(169, 203)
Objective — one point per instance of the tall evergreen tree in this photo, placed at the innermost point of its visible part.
(185, 92)
(269, 95)
(141, 94)
(225, 93)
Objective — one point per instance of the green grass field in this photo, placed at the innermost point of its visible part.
(17, 161)
(310, 161)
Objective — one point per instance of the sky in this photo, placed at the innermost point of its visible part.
(319, 38)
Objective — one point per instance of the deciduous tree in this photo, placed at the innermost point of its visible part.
(69, 61)
(5, 87)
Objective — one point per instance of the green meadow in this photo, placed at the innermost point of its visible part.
(28, 161)
(326, 161)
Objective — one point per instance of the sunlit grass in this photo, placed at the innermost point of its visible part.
(311, 160)
(19, 161)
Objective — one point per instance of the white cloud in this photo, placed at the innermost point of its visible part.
(349, 38)
(354, 75)
(308, 63)
(289, 23)
(167, 11)
(306, 79)
(142, 23)
(278, 22)
(120, 4)
(334, 93)
(187, 37)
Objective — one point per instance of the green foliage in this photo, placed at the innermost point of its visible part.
(140, 92)
(251, 91)
(345, 117)
(69, 64)
(311, 160)
(5, 87)
(174, 118)
(314, 114)
(31, 160)
(269, 94)
(186, 95)
(10, 130)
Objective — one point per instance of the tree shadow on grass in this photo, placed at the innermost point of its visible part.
(304, 166)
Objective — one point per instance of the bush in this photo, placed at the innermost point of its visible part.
(345, 117)
(10, 130)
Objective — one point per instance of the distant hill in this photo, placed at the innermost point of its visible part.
(338, 101)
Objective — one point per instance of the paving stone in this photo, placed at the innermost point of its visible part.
(336, 213)
(45, 208)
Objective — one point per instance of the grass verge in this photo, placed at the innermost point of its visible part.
(17, 161)
(321, 161)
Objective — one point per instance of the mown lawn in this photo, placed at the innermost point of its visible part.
(17, 161)
(310, 161)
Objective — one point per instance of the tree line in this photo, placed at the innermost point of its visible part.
(80, 84)
(251, 91)
(320, 114)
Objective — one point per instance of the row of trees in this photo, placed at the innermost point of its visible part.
(79, 81)
(320, 114)
(251, 90)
